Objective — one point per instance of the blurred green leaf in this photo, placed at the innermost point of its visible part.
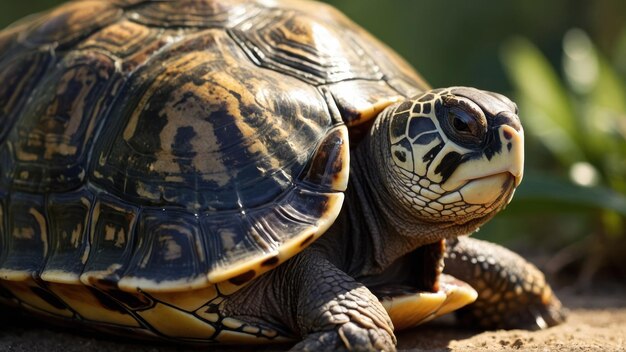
(607, 109)
(600, 99)
(619, 53)
(557, 192)
(545, 107)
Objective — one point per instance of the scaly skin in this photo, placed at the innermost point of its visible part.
(512, 293)
(334, 311)
(325, 307)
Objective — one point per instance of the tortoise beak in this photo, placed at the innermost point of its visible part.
(515, 146)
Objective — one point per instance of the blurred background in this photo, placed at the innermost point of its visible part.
(564, 62)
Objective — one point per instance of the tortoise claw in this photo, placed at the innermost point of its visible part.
(533, 316)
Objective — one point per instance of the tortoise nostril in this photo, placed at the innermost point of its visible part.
(509, 118)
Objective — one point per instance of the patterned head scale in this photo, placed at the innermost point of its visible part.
(460, 150)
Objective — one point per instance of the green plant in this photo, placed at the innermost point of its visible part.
(581, 120)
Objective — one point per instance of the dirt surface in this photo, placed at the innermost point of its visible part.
(597, 322)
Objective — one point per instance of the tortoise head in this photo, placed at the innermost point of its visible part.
(456, 154)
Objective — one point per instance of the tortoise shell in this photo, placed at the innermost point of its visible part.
(148, 148)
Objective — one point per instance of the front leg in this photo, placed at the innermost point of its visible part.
(512, 293)
(327, 308)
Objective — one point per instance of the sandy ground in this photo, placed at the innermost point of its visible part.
(597, 322)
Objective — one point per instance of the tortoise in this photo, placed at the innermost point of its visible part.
(168, 169)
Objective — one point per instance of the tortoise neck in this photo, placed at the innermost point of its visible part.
(373, 242)
(381, 229)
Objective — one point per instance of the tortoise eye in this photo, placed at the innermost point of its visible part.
(464, 123)
(461, 123)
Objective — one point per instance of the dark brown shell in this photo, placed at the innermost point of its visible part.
(169, 145)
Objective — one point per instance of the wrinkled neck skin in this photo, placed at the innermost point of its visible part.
(374, 231)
